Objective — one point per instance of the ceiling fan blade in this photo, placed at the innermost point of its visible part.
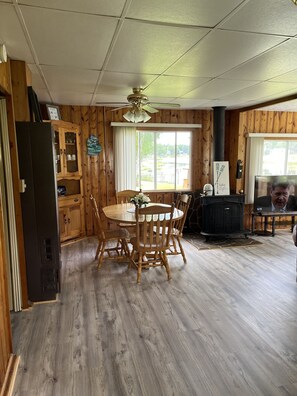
(150, 109)
(127, 106)
(111, 103)
(169, 105)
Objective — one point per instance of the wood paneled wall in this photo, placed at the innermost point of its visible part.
(255, 121)
(98, 172)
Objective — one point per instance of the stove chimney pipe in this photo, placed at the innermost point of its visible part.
(218, 133)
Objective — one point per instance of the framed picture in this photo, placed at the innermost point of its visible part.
(221, 183)
(53, 112)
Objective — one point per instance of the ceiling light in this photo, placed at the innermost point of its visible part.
(3, 53)
(136, 115)
(295, 2)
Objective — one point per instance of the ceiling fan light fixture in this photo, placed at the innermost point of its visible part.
(136, 115)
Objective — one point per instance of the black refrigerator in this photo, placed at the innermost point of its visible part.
(39, 203)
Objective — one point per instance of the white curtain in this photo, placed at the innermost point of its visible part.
(254, 161)
(125, 158)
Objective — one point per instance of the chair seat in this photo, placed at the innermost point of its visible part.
(116, 234)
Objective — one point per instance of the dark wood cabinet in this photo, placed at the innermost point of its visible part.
(222, 215)
(39, 209)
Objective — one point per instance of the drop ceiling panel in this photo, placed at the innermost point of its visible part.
(37, 80)
(193, 12)
(264, 17)
(286, 106)
(122, 83)
(173, 86)
(218, 88)
(269, 65)
(15, 41)
(71, 98)
(67, 38)
(262, 90)
(221, 51)
(70, 79)
(102, 7)
(287, 77)
(43, 95)
(144, 47)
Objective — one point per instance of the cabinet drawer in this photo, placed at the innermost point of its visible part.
(69, 201)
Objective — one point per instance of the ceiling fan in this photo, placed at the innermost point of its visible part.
(139, 105)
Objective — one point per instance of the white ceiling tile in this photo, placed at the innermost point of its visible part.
(286, 77)
(112, 100)
(269, 65)
(102, 7)
(218, 88)
(273, 16)
(12, 35)
(284, 106)
(193, 12)
(69, 79)
(37, 80)
(71, 98)
(122, 83)
(191, 103)
(262, 90)
(73, 39)
(220, 51)
(145, 48)
(174, 86)
(43, 95)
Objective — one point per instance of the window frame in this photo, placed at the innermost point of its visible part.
(176, 131)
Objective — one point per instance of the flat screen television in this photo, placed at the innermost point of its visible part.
(275, 193)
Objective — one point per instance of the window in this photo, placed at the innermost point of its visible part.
(163, 160)
(279, 157)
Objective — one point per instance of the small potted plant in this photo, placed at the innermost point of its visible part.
(140, 199)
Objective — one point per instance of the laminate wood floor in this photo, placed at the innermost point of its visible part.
(225, 325)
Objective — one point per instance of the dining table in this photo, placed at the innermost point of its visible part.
(125, 212)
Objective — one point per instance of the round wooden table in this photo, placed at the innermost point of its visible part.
(125, 212)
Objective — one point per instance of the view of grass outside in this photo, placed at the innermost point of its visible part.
(163, 160)
(280, 157)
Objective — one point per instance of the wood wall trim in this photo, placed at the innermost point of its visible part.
(5, 83)
(19, 85)
(10, 376)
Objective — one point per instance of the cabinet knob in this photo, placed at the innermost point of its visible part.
(75, 200)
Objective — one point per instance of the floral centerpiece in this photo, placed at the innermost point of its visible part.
(140, 200)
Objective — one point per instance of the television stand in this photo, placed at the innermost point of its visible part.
(273, 215)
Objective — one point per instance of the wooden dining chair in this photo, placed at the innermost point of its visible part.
(183, 202)
(118, 236)
(153, 230)
(124, 196)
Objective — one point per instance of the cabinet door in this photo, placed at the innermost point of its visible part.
(71, 153)
(63, 222)
(74, 220)
(67, 151)
(59, 154)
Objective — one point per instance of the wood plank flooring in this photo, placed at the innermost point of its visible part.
(225, 325)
